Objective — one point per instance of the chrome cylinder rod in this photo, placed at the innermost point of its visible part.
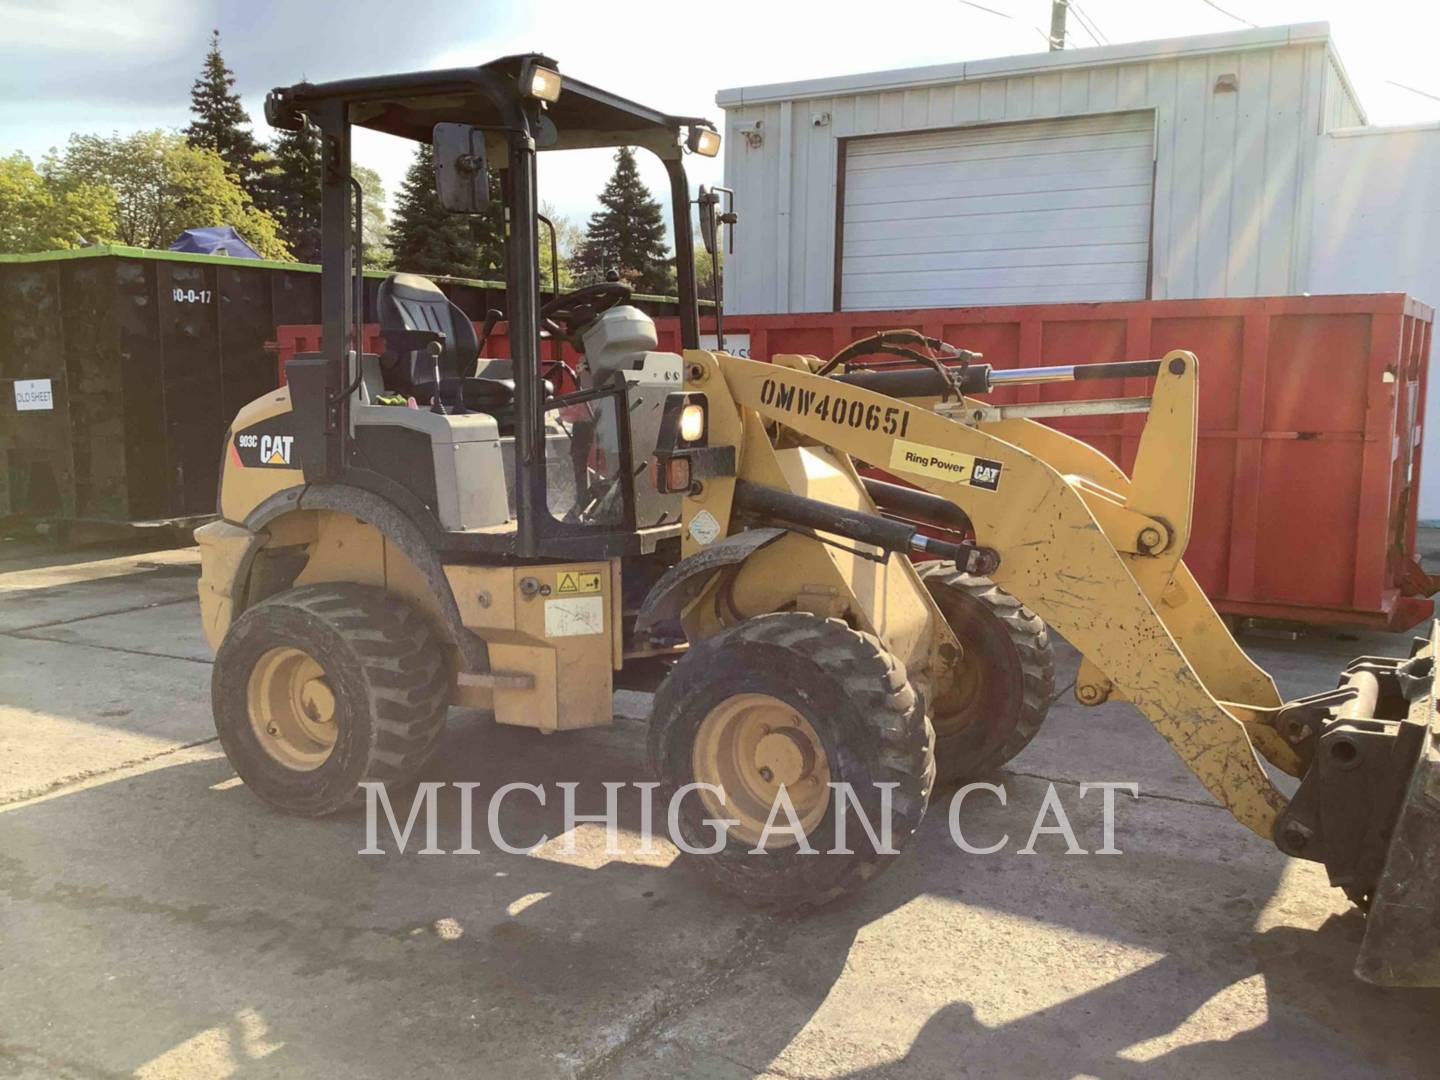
(1123, 369)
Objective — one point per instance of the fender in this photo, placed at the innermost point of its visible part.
(686, 579)
(398, 528)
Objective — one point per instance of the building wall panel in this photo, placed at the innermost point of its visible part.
(1233, 170)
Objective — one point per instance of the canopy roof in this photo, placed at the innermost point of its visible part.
(410, 105)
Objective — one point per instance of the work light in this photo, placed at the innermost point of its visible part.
(703, 141)
(692, 423)
(540, 82)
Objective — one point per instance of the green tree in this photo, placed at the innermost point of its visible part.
(292, 190)
(425, 238)
(221, 123)
(374, 224)
(627, 233)
(705, 264)
(568, 239)
(40, 213)
(163, 185)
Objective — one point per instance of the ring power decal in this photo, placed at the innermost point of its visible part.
(941, 464)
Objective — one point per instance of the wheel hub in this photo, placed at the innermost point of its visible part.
(292, 708)
(752, 746)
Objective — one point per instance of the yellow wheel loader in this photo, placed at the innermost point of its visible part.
(405, 532)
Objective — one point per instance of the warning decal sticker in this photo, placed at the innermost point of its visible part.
(951, 465)
(577, 583)
(574, 617)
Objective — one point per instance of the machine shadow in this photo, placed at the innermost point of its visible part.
(555, 963)
(1321, 1022)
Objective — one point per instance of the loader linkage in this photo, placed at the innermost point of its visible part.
(1098, 555)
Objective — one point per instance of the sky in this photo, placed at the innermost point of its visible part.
(105, 66)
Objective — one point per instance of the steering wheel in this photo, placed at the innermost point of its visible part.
(571, 312)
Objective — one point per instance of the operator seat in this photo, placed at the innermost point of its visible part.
(409, 302)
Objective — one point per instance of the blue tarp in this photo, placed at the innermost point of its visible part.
(216, 240)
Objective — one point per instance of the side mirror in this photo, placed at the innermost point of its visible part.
(462, 179)
(708, 225)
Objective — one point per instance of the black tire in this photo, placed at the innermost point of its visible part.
(387, 668)
(984, 723)
(871, 724)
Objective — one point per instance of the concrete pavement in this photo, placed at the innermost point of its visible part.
(157, 920)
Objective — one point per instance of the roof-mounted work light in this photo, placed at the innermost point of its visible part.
(537, 81)
(704, 141)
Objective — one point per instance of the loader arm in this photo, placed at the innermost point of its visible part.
(1095, 558)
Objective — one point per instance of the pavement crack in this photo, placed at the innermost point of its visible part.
(1142, 794)
(100, 615)
(91, 774)
(685, 998)
(27, 635)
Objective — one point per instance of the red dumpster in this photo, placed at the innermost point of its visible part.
(1310, 427)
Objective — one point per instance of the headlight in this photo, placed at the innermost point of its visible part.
(541, 82)
(692, 423)
(703, 141)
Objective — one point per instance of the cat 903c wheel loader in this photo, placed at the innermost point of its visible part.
(406, 532)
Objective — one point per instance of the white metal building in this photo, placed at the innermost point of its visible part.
(1161, 169)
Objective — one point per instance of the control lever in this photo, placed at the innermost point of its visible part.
(487, 327)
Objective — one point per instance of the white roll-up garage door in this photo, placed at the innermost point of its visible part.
(1022, 213)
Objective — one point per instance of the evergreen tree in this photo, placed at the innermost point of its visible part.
(627, 234)
(221, 123)
(292, 190)
(428, 239)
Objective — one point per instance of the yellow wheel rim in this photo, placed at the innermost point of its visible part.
(292, 708)
(962, 686)
(750, 746)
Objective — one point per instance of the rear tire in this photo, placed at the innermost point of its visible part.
(838, 707)
(376, 666)
(987, 711)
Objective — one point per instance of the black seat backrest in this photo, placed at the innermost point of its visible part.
(411, 302)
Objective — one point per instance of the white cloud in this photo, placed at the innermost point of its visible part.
(65, 65)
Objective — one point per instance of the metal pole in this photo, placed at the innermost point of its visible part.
(337, 296)
(1058, 10)
(684, 255)
(523, 279)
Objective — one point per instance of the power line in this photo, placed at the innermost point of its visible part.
(1231, 14)
(1003, 15)
(1090, 26)
(1422, 93)
(991, 11)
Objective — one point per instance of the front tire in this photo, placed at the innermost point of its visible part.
(988, 708)
(321, 688)
(795, 700)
